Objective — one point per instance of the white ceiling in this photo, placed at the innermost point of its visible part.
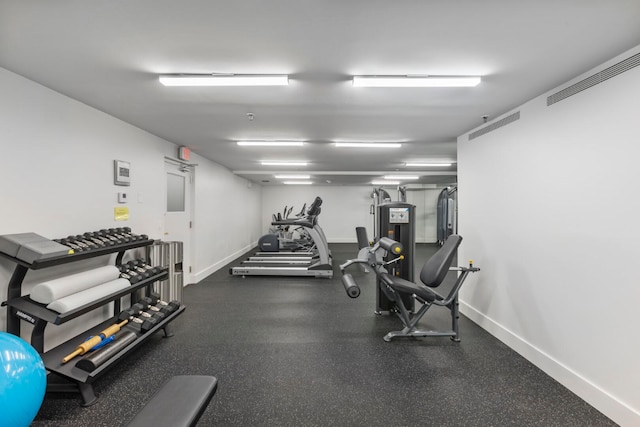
(108, 54)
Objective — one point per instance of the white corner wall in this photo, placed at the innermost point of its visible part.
(549, 212)
(56, 166)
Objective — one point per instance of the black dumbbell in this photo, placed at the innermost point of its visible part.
(98, 242)
(131, 276)
(76, 248)
(159, 308)
(127, 230)
(155, 301)
(144, 325)
(89, 241)
(137, 310)
(104, 235)
(142, 264)
(141, 271)
(98, 238)
(113, 232)
(148, 305)
(144, 306)
(84, 244)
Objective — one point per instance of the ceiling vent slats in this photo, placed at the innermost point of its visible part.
(495, 125)
(597, 78)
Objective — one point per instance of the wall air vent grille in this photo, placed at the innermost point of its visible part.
(495, 125)
(607, 73)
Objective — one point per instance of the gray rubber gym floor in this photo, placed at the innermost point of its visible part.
(299, 352)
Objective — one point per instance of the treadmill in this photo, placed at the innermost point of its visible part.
(286, 263)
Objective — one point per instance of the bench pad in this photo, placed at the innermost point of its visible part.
(181, 401)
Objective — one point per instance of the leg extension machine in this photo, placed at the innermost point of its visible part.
(432, 275)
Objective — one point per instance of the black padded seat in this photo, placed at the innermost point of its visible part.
(181, 401)
(404, 286)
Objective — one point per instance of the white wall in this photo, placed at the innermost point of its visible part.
(549, 212)
(347, 207)
(56, 166)
(228, 219)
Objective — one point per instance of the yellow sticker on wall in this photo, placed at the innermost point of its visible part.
(121, 213)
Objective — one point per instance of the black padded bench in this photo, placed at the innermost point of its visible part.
(181, 401)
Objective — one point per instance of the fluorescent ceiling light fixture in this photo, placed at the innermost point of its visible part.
(293, 176)
(282, 163)
(297, 182)
(401, 177)
(416, 81)
(271, 143)
(225, 80)
(368, 144)
(385, 182)
(420, 165)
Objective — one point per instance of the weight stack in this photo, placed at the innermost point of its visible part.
(397, 221)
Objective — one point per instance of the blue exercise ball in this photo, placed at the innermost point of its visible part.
(23, 381)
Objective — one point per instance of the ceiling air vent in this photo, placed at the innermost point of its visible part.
(495, 125)
(595, 79)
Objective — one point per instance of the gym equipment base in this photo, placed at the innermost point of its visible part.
(280, 271)
(417, 333)
(79, 381)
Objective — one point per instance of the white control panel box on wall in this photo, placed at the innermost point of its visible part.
(121, 172)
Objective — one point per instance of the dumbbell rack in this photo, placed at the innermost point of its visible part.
(22, 307)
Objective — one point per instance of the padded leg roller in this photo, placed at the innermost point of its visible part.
(181, 401)
(350, 285)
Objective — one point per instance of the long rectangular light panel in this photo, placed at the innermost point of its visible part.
(401, 177)
(292, 176)
(385, 182)
(271, 143)
(225, 80)
(415, 81)
(282, 163)
(368, 145)
(421, 165)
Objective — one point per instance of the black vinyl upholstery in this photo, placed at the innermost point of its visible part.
(401, 285)
(435, 269)
(180, 402)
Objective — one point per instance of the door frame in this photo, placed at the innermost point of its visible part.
(189, 170)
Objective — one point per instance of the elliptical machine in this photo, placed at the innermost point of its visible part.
(281, 237)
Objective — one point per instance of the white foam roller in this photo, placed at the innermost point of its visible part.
(88, 296)
(51, 290)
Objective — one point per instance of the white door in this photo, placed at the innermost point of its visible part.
(178, 220)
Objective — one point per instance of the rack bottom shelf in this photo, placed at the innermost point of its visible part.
(69, 378)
